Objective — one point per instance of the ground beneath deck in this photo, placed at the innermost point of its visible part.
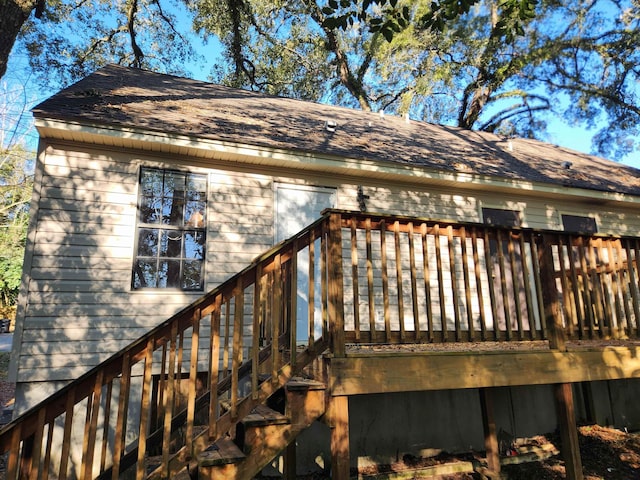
(607, 454)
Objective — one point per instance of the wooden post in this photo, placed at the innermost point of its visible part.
(339, 425)
(335, 286)
(489, 427)
(568, 431)
(290, 461)
(552, 313)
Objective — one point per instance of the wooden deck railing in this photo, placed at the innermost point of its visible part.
(348, 278)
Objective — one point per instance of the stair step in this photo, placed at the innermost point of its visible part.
(304, 384)
(223, 452)
(262, 416)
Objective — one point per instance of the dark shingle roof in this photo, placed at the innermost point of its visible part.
(138, 99)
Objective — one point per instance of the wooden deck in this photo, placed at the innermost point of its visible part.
(393, 304)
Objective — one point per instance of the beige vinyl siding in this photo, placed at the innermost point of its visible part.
(80, 307)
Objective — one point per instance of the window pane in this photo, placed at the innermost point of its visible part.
(197, 187)
(579, 224)
(148, 242)
(501, 217)
(172, 211)
(194, 214)
(174, 184)
(194, 245)
(169, 274)
(151, 182)
(192, 275)
(145, 274)
(149, 210)
(171, 244)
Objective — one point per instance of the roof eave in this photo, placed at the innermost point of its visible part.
(162, 142)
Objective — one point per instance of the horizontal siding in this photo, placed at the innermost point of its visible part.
(80, 307)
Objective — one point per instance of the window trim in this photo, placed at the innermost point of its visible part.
(139, 226)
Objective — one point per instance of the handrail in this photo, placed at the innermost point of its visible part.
(160, 395)
(366, 279)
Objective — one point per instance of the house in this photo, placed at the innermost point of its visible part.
(154, 194)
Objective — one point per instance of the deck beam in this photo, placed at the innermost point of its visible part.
(359, 374)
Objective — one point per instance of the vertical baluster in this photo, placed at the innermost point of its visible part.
(106, 424)
(598, 284)
(414, 285)
(36, 452)
(427, 281)
(580, 303)
(454, 282)
(46, 464)
(66, 436)
(170, 398)
(355, 283)
(91, 427)
(467, 284)
(398, 259)
(443, 314)
(324, 280)
(632, 260)
(567, 301)
(158, 402)
(525, 251)
(370, 289)
(503, 286)
(193, 379)
(214, 366)
(535, 257)
(478, 274)
(144, 411)
(492, 287)
(121, 420)
(311, 313)
(227, 336)
(385, 281)
(516, 284)
(14, 453)
(586, 292)
(277, 314)
(622, 308)
(255, 333)
(238, 313)
(293, 303)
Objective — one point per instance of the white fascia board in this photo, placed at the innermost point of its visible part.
(256, 154)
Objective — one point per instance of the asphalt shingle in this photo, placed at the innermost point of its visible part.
(138, 99)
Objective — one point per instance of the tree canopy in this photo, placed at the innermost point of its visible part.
(505, 66)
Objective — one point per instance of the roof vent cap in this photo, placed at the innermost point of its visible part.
(330, 125)
(567, 165)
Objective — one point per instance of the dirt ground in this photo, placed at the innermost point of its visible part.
(607, 454)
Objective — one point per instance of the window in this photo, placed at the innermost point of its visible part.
(579, 224)
(501, 217)
(171, 233)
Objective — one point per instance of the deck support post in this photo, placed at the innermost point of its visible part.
(568, 431)
(339, 425)
(290, 461)
(489, 427)
(336, 286)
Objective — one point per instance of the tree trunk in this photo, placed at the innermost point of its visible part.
(13, 14)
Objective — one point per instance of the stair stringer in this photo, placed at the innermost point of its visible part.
(305, 403)
(184, 459)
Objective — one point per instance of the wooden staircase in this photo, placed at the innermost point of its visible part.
(264, 433)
